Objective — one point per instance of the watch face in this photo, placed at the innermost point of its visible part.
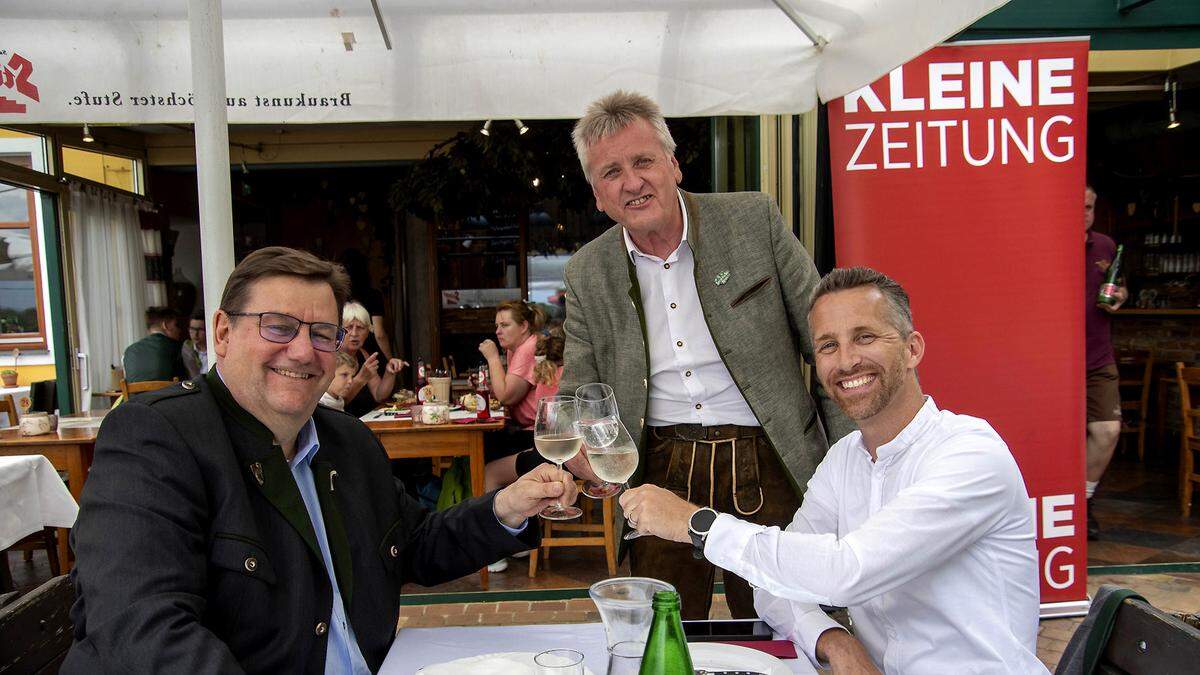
(702, 520)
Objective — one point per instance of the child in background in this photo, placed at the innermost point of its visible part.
(343, 373)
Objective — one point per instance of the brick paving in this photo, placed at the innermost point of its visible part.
(1169, 592)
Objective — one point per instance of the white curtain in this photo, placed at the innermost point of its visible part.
(110, 281)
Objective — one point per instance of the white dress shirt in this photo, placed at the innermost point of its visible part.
(931, 547)
(689, 383)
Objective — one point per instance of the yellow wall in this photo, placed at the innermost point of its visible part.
(27, 374)
(106, 169)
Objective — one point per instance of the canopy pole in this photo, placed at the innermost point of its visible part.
(786, 7)
(212, 153)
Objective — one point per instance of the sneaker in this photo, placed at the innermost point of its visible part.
(1093, 526)
(498, 566)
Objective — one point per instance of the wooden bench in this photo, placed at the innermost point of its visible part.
(36, 629)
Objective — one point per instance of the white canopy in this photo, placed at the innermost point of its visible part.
(128, 61)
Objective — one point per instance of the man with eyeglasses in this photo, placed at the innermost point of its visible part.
(229, 524)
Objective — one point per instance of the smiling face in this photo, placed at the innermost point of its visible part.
(279, 384)
(862, 359)
(356, 336)
(634, 179)
(509, 333)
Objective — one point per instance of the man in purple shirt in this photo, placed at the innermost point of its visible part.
(1103, 395)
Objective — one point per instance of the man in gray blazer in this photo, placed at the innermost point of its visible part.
(693, 308)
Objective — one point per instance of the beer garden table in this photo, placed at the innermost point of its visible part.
(404, 439)
(68, 449)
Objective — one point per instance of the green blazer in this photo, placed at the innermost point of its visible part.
(754, 280)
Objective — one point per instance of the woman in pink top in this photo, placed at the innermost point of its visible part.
(517, 326)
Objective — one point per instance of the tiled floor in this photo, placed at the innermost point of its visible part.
(1137, 506)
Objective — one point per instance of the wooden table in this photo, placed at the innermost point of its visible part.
(68, 449)
(404, 439)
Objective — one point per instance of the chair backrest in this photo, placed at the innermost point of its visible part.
(9, 408)
(1137, 366)
(43, 396)
(1189, 404)
(1148, 640)
(131, 388)
(35, 629)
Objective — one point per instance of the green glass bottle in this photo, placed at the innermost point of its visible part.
(1108, 290)
(666, 647)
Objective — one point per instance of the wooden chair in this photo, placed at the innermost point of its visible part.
(35, 629)
(449, 367)
(8, 407)
(1136, 369)
(587, 533)
(46, 540)
(130, 388)
(1145, 640)
(1189, 433)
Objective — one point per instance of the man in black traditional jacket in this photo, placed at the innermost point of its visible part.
(229, 524)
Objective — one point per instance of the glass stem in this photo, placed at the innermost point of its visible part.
(560, 479)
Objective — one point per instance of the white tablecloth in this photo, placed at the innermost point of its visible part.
(32, 496)
(416, 648)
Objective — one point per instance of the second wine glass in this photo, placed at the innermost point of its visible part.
(557, 437)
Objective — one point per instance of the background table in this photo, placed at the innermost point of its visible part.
(416, 648)
(68, 449)
(404, 439)
(32, 497)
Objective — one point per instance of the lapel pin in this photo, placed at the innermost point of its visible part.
(721, 278)
(256, 469)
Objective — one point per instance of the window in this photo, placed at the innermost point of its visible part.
(25, 150)
(123, 173)
(22, 321)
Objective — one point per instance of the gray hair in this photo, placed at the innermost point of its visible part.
(354, 311)
(612, 113)
(846, 278)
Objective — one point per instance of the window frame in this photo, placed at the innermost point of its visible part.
(35, 340)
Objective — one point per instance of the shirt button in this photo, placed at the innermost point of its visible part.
(251, 564)
(666, 266)
(321, 629)
(697, 406)
(679, 343)
(688, 374)
(394, 551)
(673, 305)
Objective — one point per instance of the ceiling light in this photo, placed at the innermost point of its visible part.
(87, 134)
(537, 182)
(521, 128)
(487, 128)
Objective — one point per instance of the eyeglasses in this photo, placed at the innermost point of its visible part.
(283, 328)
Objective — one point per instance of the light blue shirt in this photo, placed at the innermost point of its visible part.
(343, 655)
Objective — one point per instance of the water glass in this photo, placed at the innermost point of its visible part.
(559, 662)
(625, 658)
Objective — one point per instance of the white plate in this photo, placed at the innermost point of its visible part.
(508, 663)
(717, 656)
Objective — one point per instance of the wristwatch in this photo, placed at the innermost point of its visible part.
(698, 526)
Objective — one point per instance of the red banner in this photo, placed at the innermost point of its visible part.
(961, 175)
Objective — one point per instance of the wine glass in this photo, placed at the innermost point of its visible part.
(556, 437)
(614, 464)
(598, 423)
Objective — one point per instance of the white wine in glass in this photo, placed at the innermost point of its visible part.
(557, 438)
(613, 464)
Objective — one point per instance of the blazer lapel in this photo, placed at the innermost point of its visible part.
(263, 460)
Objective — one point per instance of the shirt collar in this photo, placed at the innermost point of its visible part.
(307, 445)
(910, 434)
(634, 251)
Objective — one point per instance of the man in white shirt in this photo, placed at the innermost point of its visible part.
(693, 309)
(919, 522)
